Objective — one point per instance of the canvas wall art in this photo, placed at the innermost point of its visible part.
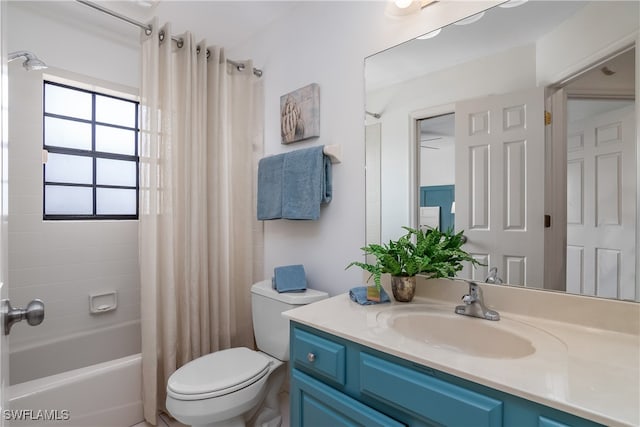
(300, 114)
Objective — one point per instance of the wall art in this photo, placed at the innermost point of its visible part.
(300, 114)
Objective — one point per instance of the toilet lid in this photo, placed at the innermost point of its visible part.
(218, 373)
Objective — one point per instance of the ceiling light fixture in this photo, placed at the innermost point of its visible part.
(470, 20)
(429, 35)
(403, 4)
(607, 71)
(513, 3)
(399, 8)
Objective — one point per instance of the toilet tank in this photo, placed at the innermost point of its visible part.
(270, 328)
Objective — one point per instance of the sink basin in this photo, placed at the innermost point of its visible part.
(450, 331)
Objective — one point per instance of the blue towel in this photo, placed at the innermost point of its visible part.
(290, 278)
(359, 295)
(306, 183)
(270, 187)
(327, 181)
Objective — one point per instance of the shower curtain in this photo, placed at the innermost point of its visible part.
(200, 242)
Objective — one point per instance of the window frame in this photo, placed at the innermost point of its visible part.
(92, 154)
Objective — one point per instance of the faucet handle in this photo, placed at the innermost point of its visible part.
(467, 299)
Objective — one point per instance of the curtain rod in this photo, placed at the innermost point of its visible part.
(148, 29)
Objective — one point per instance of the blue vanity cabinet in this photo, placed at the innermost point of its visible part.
(314, 403)
(336, 382)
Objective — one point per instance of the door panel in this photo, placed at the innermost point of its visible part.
(499, 149)
(479, 187)
(601, 205)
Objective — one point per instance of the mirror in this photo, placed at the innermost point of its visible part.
(519, 126)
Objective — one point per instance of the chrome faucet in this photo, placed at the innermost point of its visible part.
(474, 304)
(493, 277)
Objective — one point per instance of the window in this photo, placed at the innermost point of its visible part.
(91, 145)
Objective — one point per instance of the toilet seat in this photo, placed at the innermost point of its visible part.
(217, 374)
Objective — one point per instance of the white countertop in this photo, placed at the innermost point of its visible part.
(588, 372)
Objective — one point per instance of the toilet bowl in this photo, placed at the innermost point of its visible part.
(221, 388)
(239, 386)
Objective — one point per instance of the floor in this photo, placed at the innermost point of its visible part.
(165, 421)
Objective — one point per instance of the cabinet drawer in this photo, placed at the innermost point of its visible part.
(319, 356)
(314, 404)
(426, 396)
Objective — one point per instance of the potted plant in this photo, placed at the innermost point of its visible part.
(430, 252)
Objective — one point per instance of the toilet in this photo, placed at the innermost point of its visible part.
(240, 386)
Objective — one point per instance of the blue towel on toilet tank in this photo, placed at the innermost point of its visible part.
(270, 187)
(306, 183)
(289, 278)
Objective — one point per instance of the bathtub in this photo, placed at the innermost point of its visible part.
(99, 393)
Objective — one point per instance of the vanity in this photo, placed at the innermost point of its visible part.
(420, 364)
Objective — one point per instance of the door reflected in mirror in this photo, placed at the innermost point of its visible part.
(549, 198)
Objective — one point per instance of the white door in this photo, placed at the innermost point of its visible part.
(499, 152)
(601, 205)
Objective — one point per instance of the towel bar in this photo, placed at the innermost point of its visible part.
(334, 152)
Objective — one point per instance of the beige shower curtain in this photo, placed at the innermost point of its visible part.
(200, 242)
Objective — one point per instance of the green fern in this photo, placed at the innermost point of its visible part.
(432, 252)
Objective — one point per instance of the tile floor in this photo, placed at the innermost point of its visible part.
(165, 421)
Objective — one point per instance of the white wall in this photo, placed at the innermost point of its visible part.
(326, 43)
(62, 262)
(596, 31)
(438, 167)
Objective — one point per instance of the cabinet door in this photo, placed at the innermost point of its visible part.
(314, 404)
(433, 399)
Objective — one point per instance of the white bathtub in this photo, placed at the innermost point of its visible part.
(102, 393)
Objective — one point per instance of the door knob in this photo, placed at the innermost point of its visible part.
(33, 314)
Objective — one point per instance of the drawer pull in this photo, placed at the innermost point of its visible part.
(311, 357)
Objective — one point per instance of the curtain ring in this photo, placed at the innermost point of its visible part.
(208, 54)
(148, 30)
(197, 50)
(180, 43)
(161, 36)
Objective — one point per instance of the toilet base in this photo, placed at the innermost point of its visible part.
(268, 413)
